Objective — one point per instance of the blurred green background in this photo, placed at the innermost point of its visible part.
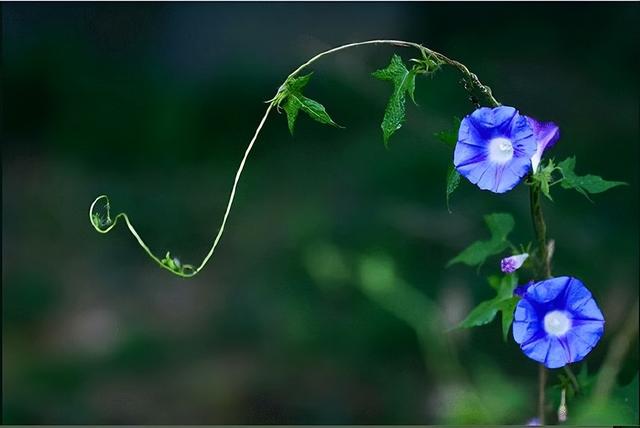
(328, 299)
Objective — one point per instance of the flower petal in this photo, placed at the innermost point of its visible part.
(548, 290)
(546, 134)
(526, 323)
(589, 311)
(521, 134)
(583, 337)
(490, 180)
(537, 349)
(503, 179)
(580, 302)
(474, 172)
(489, 120)
(559, 353)
(467, 154)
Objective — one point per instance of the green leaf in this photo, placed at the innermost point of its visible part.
(507, 307)
(427, 65)
(583, 183)
(453, 180)
(450, 136)
(292, 107)
(504, 302)
(172, 262)
(494, 282)
(545, 176)
(297, 84)
(500, 225)
(482, 314)
(404, 82)
(292, 101)
(316, 111)
(411, 86)
(508, 283)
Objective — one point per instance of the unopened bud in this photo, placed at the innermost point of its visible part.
(562, 409)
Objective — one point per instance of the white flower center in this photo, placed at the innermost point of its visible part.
(557, 323)
(500, 150)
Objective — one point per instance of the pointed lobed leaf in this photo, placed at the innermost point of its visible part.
(504, 302)
(293, 101)
(544, 177)
(316, 111)
(584, 184)
(404, 82)
(291, 107)
(427, 65)
(500, 225)
(482, 314)
(296, 84)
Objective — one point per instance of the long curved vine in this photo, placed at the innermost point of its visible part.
(428, 62)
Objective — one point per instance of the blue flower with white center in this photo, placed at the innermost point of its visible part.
(494, 148)
(513, 263)
(557, 322)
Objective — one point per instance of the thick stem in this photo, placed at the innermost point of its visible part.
(542, 380)
(543, 261)
(543, 271)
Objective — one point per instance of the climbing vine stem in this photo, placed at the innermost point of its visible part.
(104, 223)
(543, 271)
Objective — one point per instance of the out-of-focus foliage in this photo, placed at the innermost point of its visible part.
(620, 408)
(154, 104)
(500, 226)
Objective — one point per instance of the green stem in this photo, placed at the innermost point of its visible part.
(542, 380)
(471, 83)
(543, 261)
(543, 270)
(573, 379)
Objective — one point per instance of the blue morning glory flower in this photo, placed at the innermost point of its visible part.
(494, 148)
(513, 263)
(557, 322)
(546, 134)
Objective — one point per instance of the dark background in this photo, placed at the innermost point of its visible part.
(154, 104)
